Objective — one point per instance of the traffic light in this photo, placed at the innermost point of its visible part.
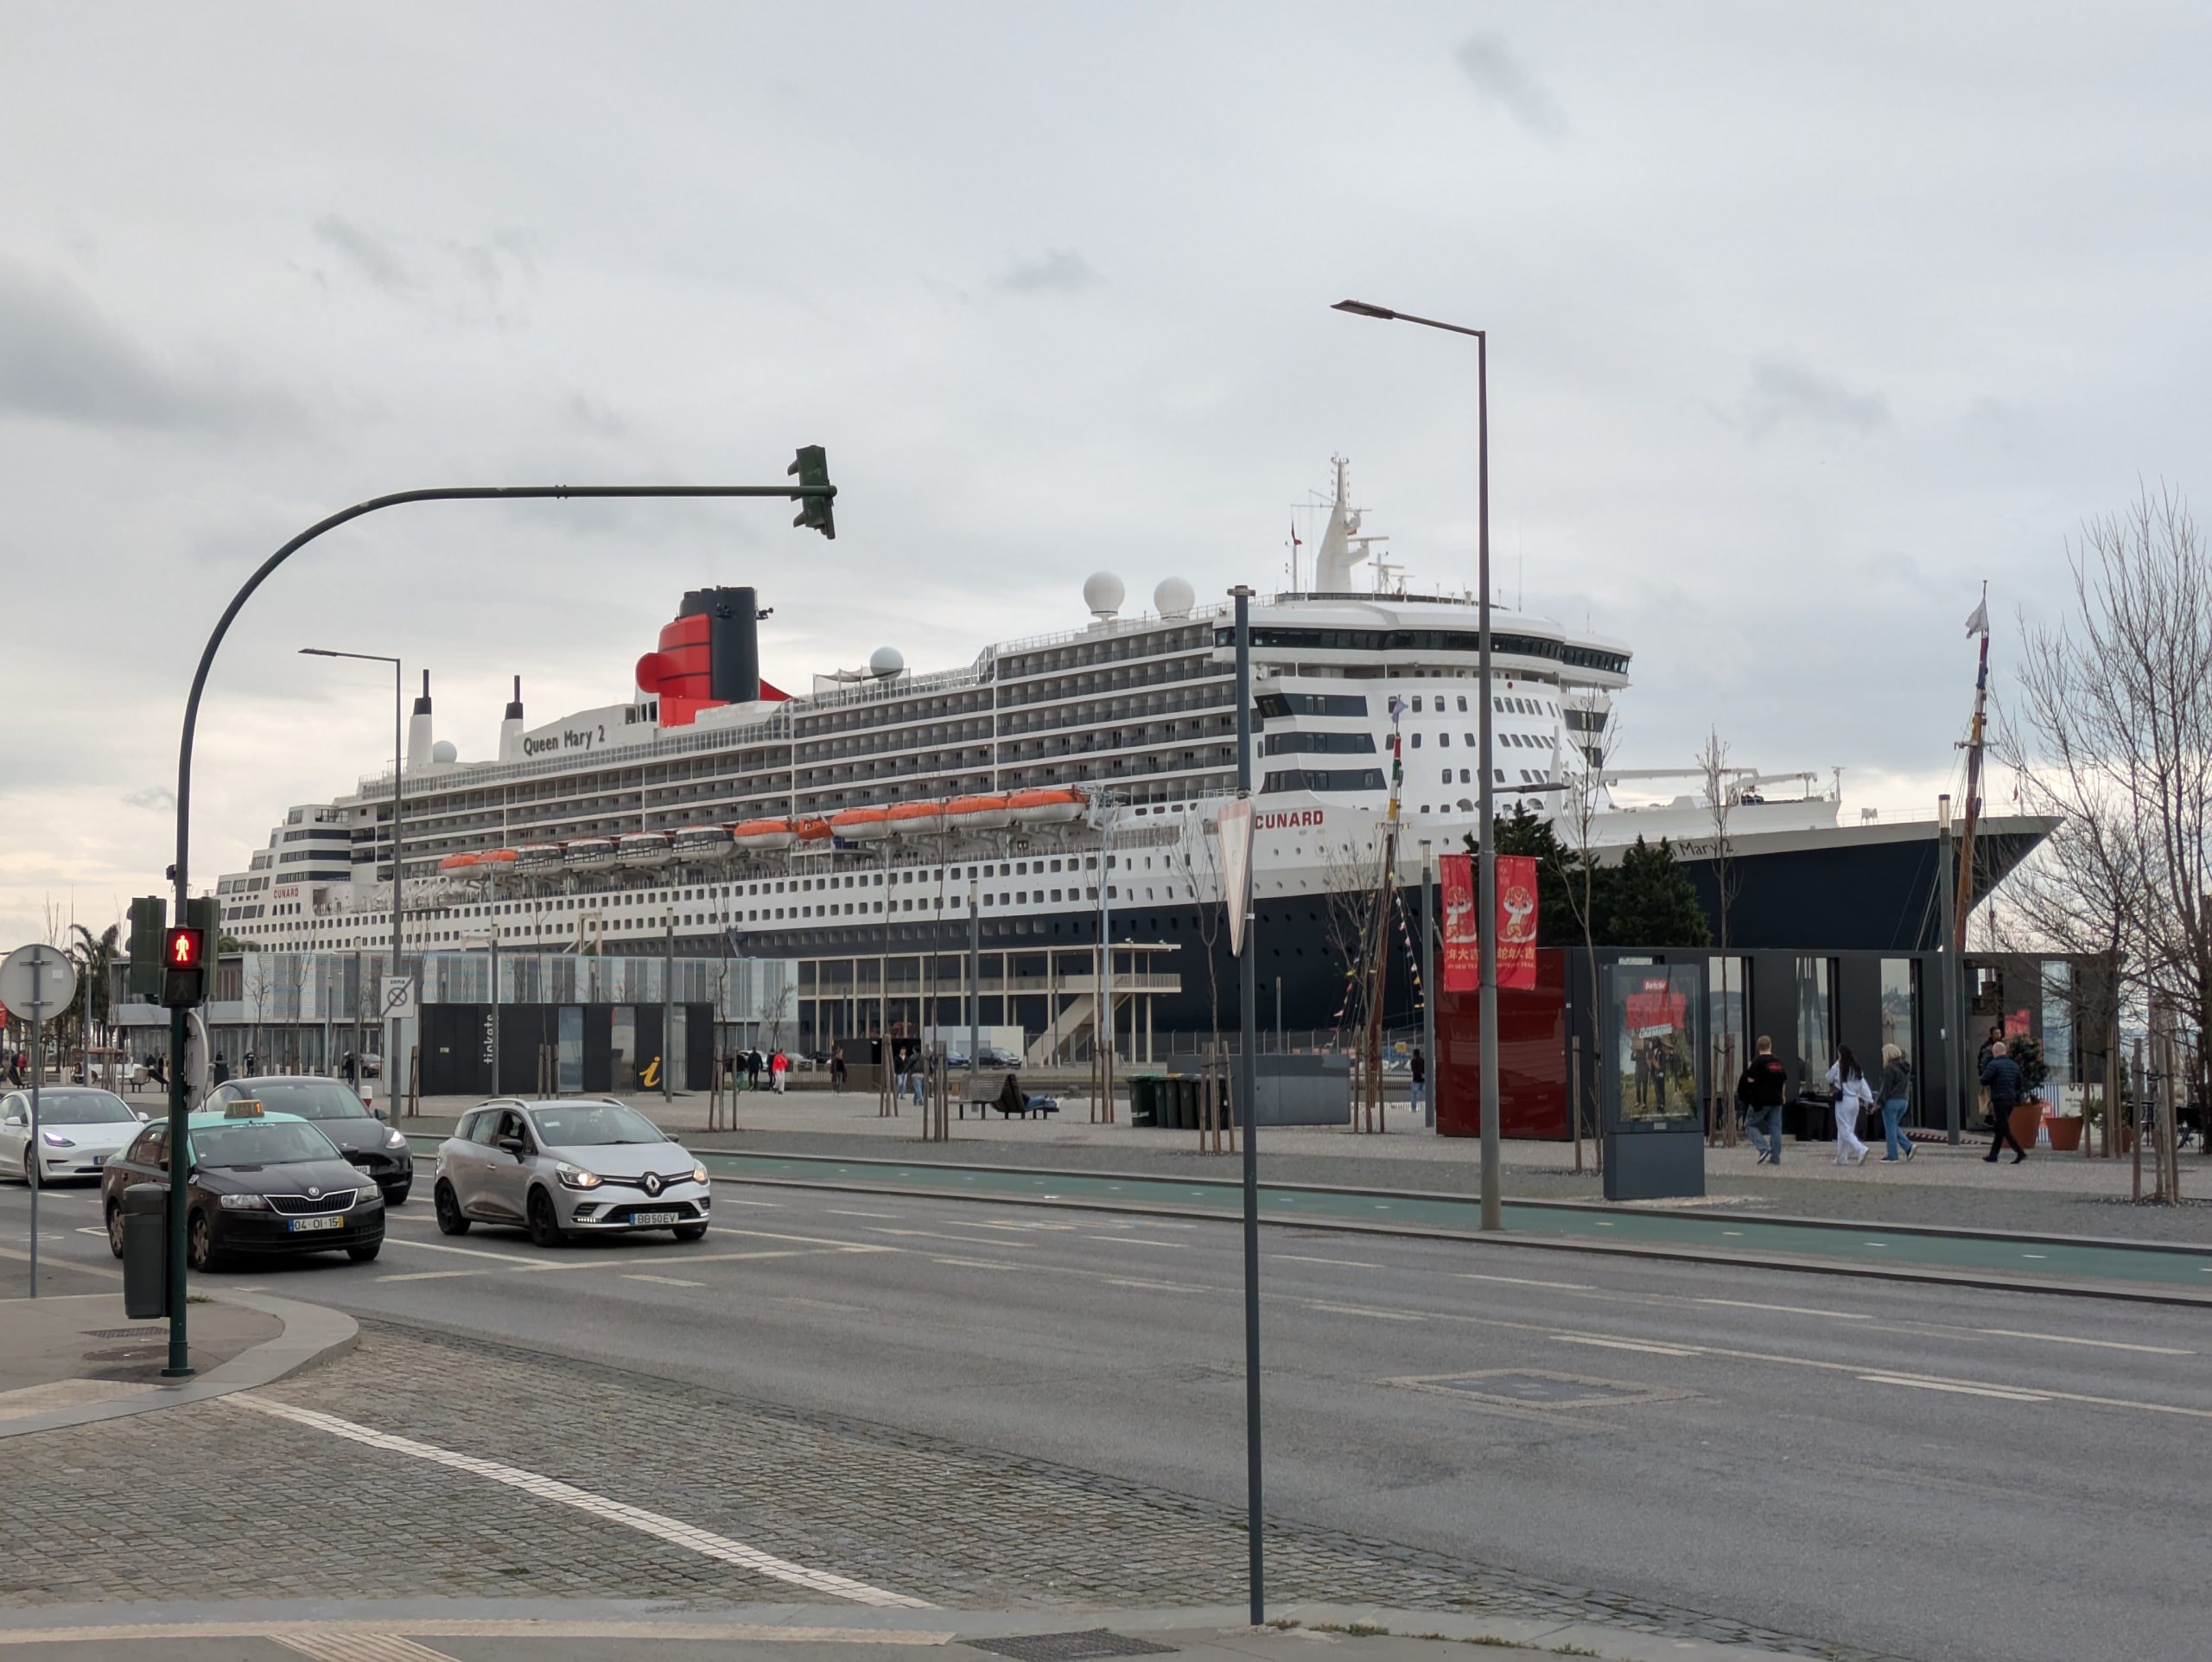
(184, 958)
(149, 916)
(812, 468)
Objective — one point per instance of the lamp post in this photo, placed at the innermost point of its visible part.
(1486, 854)
(398, 760)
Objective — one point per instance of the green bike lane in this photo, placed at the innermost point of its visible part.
(2071, 1263)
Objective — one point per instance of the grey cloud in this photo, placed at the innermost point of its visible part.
(1783, 390)
(62, 360)
(1063, 271)
(371, 259)
(153, 796)
(1497, 75)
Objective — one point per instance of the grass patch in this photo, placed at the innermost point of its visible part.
(1352, 1630)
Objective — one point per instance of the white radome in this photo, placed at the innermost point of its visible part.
(1173, 597)
(886, 661)
(445, 752)
(1103, 592)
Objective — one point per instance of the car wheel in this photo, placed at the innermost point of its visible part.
(199, 1243)
(29, 1175)
(114, 1229)
(448, 1207)
(683, 1233)
(362, 1254)
(398, 1197)
(544, 1227)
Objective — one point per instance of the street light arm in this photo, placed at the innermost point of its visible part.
(1361, 309)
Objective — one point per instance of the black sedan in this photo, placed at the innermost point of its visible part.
(372, 1146)
(259, 1184)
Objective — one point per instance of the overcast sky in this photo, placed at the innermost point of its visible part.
(1805, 319)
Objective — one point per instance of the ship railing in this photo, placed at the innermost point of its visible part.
(1112, 626)
(891, 687)
(775, 728)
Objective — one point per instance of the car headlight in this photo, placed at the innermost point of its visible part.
(55, 1140)
(395, 1140)
(242, 1202)
(369, 1196)
(576, 1176)
(699, 1175)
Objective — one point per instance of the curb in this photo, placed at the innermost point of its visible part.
(312, 1334)
(1793, 1263)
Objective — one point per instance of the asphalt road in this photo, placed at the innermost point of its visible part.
(1910, 1469)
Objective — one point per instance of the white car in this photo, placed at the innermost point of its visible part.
(80, 1128)
(566, 1168)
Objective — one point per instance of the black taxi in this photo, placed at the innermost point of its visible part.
(260, 1185)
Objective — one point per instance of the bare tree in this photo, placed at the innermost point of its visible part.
(1347, 914)
(1200, 873)
(1721, 802)
(2113, 731)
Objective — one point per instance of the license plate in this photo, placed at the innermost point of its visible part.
(656, 1217)
(301, 1225)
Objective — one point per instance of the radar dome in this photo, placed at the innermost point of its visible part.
(443, 752)
(1174, 598)
(886, 661)
(1103, 593)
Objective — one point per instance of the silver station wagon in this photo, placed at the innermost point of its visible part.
(569, 1167)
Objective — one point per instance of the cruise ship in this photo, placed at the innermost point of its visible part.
(1057, 787)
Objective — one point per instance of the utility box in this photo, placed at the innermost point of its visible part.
(145, 1251)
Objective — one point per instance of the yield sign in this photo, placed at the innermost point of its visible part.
(1236, 833)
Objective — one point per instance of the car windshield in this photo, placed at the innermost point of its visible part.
(83, 1108)
(308, 1098)
(592, 1124)
(260, 1143)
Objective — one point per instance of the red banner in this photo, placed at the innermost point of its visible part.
(1516, 921)
(1462, 965)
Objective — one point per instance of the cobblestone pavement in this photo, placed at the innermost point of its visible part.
(229, 1504)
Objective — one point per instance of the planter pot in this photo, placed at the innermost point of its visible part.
(2066, 1133)
(2027, 1120)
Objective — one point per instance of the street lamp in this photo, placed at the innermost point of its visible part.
(1486, 858)
(398, 759)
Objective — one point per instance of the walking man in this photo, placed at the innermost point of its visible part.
(1417, 1073)
(2005, 1084)
(1760, 1094)
(837, 1067)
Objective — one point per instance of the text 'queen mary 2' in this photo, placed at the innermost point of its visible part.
(859, 816)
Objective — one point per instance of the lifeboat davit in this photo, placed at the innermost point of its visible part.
(535, 859)
(764, 836)
(644, 849)
(704, 843)
(916, 819)
(814, 830)
(1044, 807)
(977, 813)
(861, 825)
(589, 854)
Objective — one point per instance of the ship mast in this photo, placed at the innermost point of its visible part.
(1974, 738)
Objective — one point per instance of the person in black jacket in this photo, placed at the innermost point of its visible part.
(2006, 1085)
(1760, 1091)
(1416, 1079)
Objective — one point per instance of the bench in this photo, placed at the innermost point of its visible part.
(1001, 1090)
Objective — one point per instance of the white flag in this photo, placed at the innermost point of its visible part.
(1236, 833)
(1979, 623)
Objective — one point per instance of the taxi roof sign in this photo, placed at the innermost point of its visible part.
(245, 1108)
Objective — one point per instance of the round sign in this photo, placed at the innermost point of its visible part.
(37, 980)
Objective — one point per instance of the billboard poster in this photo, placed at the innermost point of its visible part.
(1516, 921)
(1462, 947)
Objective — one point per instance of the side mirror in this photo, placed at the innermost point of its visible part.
(376, 1113)
(513, 1145)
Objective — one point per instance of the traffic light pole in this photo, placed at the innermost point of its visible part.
(815, 487)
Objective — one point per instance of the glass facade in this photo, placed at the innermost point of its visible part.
(1816, 1038)
(1900, 1010)
(1727, 1012)
(2058, 1021)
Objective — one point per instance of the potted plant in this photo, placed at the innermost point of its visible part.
(2027, 1118)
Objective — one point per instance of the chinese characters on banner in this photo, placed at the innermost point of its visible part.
(1517, 922)
(1456, 878)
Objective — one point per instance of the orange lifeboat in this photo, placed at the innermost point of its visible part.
(1044, 807)
(861, 825)
(455, 865)
(814, 830)
(763, 836)
(978, 813)
(496, 862)
(917, 819)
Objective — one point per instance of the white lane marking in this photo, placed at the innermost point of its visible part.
(1786, 1309)
(433, 1275)
(1525, 1281)
(1152, 1286)
(665, 1280)
(1873, 1243)
(99, 1234)
(343, 1646)
(731, 1200)
(1955, 1390)
(975, 1263)
(835, 1212)
(2100, 1344)
(2034, 1255)
(1731, 1231)
(478, 1628)
(1291, 1257)
(673, 1531)
(1622, 1344)
(933, 1235)
(463, 1252)
(1362, 1310)
(1138, 1240)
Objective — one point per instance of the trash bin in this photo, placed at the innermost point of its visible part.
(1144, 1099)
(1185, 1087)
(145, 1251)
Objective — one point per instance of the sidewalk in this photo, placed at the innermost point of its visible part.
(1941, 1187)
(74, 1358)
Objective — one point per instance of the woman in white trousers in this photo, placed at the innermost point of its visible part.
(1847, 1081)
